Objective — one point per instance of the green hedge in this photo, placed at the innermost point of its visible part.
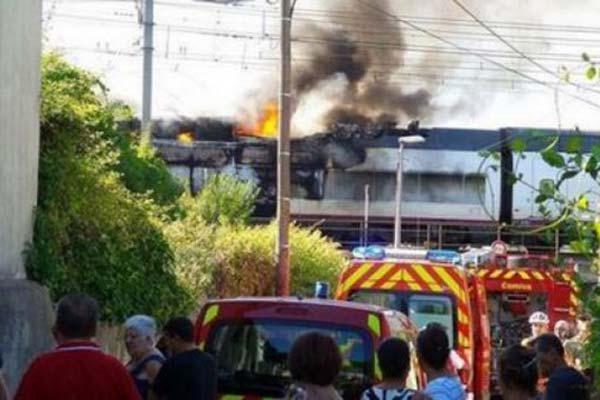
(92, 231)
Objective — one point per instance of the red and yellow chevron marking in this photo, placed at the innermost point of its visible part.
(428, 278)
(574, 300)
(524, 274)
(503, 273)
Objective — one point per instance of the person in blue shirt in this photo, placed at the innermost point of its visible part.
(433, 352)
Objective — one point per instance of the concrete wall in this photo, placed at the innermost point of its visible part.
(26, 318)
(20, 46)
(25, 308)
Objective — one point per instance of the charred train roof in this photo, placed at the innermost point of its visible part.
(343, 150)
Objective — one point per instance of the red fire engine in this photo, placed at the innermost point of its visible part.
(429, 291)
(517, 285)
(484, 297)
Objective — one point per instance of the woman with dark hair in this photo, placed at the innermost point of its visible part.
(518, 374)
(315, 362)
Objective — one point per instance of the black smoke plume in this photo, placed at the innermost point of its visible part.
(366, 52)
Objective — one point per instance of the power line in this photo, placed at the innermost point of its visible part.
(394, 79)
(351, 16)
(516, 50)
(246, 9)
(475, 53)
(558, 57)
(469, 35)
(273, 36)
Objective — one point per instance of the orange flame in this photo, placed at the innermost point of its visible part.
(264, 124)
(185, 137)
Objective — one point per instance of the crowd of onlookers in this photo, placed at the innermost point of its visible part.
(77, 369)
(539, 370)
(545, 366)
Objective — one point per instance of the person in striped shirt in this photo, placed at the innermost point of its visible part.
(393, 355)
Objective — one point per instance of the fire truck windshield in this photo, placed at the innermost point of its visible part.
(424, 309)
(252, 355)
(421, 308)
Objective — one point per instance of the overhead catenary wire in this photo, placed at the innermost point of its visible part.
(246, 9)
(475, 53)
(399, 79)
(562, 57)
(368, 42)
(423, 21)
(516, 50)
(419, 49)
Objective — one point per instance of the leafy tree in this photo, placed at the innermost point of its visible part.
(574, 214)
(91, 232)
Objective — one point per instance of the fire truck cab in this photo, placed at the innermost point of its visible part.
(428, 286)
(516, 285)
(250, 339)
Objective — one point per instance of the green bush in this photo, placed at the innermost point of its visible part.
(91, 232)
(192, 242)
(239, 260)
(314, 257)
(226, 199)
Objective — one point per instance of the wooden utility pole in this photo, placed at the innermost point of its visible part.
(283, 153)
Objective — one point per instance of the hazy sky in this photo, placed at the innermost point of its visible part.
(210, 58)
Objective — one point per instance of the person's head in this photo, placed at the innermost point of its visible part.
(315, 358)
(539, 322)
(394, 359)
(518, 371)
(140, 331)
(76, 317)
(433, 347)
(562, 329)
(179, 334)
(550, 353)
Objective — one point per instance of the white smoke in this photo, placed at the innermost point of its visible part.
(311, 111)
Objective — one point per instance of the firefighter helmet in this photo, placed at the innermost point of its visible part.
(539, 317)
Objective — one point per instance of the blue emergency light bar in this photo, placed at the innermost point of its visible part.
(380, 253)
(444, 256)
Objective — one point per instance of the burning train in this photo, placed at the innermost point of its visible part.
(447, 182)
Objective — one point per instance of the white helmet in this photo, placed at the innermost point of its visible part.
(539, 317)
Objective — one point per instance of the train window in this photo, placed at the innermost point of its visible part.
(425, 187)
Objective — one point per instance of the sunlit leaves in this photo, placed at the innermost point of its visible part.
(518, 144)
(591, 72)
